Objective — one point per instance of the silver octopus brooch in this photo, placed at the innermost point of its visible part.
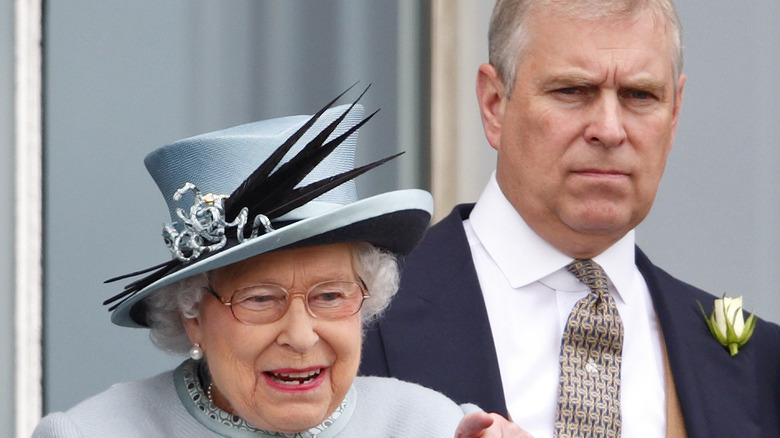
(204, 226)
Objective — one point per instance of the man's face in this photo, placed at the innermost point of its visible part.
(584, 139)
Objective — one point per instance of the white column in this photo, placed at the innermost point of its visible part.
(28, 215)
(461, 158)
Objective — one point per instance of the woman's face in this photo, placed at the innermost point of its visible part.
(291, 374)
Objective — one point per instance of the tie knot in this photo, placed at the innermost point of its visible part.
(589, 273)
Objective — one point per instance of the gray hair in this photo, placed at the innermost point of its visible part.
(508, 33)
(165, 308)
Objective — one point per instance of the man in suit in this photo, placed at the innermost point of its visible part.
(581, 101)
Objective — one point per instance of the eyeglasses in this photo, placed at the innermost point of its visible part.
(267, 303)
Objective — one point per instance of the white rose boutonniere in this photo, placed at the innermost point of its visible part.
(727, 323)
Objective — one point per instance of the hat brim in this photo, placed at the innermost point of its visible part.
(395, 221)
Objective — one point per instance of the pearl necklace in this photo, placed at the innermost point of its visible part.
(211, 399)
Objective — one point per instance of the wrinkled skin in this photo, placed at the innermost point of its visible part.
(243, 358)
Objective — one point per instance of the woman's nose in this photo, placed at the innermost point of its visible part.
(298, 327)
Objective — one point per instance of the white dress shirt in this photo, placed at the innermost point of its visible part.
(529, 295)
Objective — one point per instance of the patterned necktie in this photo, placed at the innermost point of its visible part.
(589, 391)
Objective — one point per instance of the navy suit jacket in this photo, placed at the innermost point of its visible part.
(436, 333)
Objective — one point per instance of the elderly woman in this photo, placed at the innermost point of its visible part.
(256, 226)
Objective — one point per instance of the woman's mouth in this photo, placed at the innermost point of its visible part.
(294, 378)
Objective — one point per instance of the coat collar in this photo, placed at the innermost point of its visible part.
(443, 263)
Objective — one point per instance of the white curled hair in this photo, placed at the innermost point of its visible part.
(164, 308)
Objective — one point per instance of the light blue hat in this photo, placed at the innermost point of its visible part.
(264, 186)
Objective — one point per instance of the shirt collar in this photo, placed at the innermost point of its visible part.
(501, 230)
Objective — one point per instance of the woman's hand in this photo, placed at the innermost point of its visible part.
(484, 425)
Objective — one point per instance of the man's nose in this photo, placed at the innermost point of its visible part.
(605, 127)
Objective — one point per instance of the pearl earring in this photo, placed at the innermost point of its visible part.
(196, 352)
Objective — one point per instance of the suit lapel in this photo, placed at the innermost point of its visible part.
(716, 391)
(453, 348)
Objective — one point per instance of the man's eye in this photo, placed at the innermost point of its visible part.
(569, 90)
(638, 94)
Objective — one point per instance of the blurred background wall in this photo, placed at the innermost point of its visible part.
(125, 77)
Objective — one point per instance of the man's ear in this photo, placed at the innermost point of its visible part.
(492, 101)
